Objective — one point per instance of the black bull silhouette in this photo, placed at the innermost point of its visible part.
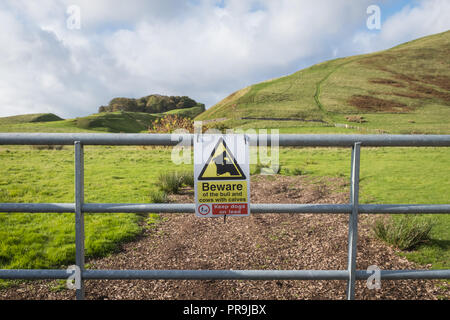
(224, 165)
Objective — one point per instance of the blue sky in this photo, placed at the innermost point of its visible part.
(391, 7)
(205, 49)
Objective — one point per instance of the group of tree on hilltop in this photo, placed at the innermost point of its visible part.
(154, 103)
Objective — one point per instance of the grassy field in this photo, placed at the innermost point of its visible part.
(47, 240)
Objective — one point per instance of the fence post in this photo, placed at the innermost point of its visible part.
(353, 221)
(79, 217)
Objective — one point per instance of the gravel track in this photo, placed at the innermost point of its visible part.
(261, 241)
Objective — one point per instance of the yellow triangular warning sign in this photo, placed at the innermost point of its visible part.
(221, 165)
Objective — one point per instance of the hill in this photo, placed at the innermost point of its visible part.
(107, 120)
(131, 122)
(26, 118)
(405, 89)
(128, 122)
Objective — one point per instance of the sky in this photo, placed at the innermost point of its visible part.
(69, 57)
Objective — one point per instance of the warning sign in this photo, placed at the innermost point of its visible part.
(221, 171)
(222, 191)
(221, 165)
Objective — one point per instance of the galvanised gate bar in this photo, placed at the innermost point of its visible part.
(353, 208)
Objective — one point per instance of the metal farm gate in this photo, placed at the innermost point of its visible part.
(353, 208)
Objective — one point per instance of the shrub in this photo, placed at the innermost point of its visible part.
(404, 233)
(158, 197)
(171, 182)
(170, 123)
(187, 178)
(123, 104)
(152, 221)
(158, 103)
(297, 172)
(48, 147)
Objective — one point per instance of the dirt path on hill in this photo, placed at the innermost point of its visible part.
(261, 241)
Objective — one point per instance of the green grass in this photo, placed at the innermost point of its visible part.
(25, 118)
(46, 240)
(127, 122)
(172, 181)
(158, 197)
(48, 127)
(289, 127)
(132, 122)
(405, 233)
(152, 221)
(415, 74)
(187, 112)
(392, 176)
(116, 122)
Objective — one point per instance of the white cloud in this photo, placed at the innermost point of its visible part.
(412, 22)
(193, 48)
